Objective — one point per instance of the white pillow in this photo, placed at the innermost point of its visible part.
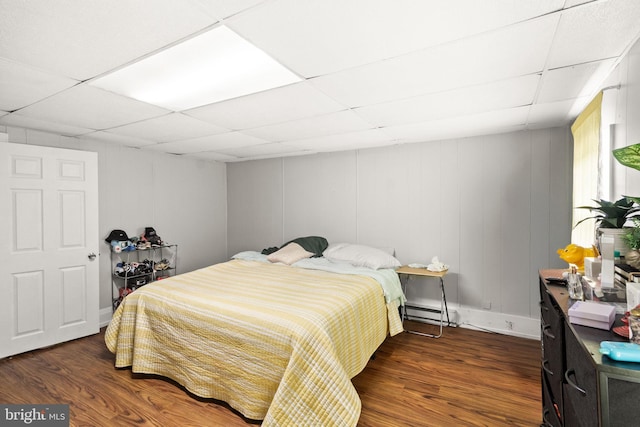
(250, 256)
(361, 256)
(289, 254)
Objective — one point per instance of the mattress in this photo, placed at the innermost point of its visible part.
(278, 343)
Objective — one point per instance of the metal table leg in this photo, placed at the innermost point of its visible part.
(443, 309)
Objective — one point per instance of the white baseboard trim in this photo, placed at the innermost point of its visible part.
(501, 323)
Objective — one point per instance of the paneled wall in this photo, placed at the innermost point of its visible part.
(184, 199)
(624, 107)
(495, 208)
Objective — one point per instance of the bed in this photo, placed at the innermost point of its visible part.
(277, 342)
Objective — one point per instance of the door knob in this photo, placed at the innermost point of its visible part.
(92, 256)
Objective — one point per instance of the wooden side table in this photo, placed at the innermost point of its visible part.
(411, 271)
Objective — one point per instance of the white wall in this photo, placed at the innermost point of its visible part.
(496, 208)
(184, 199)
(625, 108)
(493, 207)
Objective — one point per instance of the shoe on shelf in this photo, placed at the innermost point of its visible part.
(162, 265)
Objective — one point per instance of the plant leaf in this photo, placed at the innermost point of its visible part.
(612, 214)
(628, 156)
(597, 218)
(634, 199)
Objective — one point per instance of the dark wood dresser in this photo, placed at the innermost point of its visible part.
(581, 387)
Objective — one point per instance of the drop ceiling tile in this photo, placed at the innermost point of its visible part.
(278, 105)
(18, 120)
(574, 81)
(460, 102)
(208, 143)
(263, 151)
(340, 122)
(511, 119)
(481, 60)
(594, 31)
(21, 85)
(344, 141)
(128, 141)
(485, 58)
(572, 3)
(223, 9)
(212, 155)
(91, 108)
(565, 111)
(81, 39)
(318, 37)
(258, 157)
(172, 127)
(552, 112)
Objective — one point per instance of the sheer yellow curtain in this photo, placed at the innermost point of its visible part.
(586, 143)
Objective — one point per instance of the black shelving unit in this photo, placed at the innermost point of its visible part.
(135, 268)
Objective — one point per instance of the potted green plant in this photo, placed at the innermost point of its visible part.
(611, 218)
(632, 257)
(629, 156)
(613, 214)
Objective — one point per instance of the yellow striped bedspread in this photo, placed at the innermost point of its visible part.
(277, 343)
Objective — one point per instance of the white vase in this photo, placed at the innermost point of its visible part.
(618, 238)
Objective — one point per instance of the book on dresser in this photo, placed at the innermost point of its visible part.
(625, 273)
(628, 278)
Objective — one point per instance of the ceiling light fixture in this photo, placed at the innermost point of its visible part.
(212, 67)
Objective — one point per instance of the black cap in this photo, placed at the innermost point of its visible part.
(118, 235)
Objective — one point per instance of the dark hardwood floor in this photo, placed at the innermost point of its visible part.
(465, 378)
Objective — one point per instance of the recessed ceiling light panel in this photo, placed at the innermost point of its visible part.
(212, 67)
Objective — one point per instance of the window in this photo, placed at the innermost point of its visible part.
(586, 164)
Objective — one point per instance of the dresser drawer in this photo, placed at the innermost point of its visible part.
(550, 408)
(581, 383)
(552, 342)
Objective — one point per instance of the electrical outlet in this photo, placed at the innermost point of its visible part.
(509, 325)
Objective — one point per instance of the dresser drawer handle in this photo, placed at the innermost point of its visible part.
(545, 362)
(571, 372)
(543, 306)
(544, 418)
(545, 330)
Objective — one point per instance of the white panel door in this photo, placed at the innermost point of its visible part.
(48, 246)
